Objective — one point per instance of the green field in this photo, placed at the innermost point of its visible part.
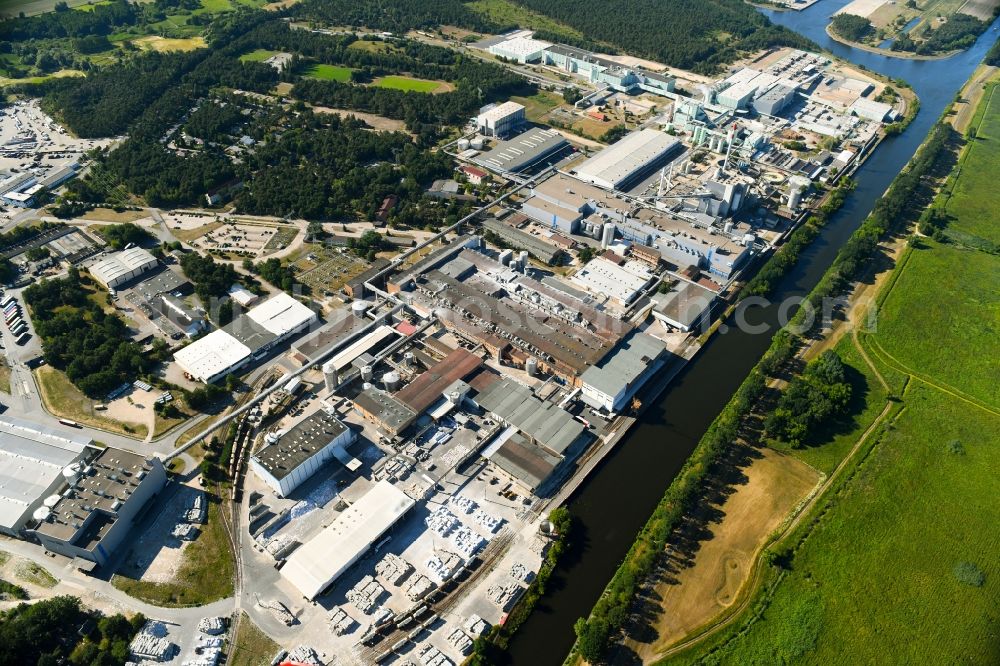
(408, 83)
(898, 563)
(258, 55)
(538, 105)
(329, 73)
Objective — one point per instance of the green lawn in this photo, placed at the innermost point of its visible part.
(975, 199)
(258, 55)
(507, 12)
(329, 73)
(942, 318)
(539, 104)
(408, 83)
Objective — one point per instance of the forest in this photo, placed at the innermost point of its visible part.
(398, 16)
(852, 27)
(94, 348)
(681, 33)
(821, 392)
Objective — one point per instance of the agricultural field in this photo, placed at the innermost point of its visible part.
(328, 73)
(411, 84)
(32, 7)
(163, 44)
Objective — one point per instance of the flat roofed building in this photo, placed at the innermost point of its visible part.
(685, 306)
(625, 161)
(32, 460)
(385, 411)
(537, 246)
(319, 562)
(501, 120)
(622, 283)
(616, 378)
(290, 459)
(543, 423)
(523, 461)
(520, 49)
(123, 266)
(341, 326)
(213, 356)
(872, 110)
(97, 510)
(282, 315)
(523, 151)
(242, 295)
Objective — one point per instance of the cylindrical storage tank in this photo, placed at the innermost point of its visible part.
(359, 308)
(42, 513)
(478, 143)
(408, 359)
(367, 372)
(531, 366)
(366, 386)
(749, 239)
(71, 472)
(506, 256)
(330, 376)
(391, 380)
(728, 227)
(794, 197)
(51, 500)
(463, 144)
(522, 260)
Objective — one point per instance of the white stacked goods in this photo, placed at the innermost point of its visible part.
(521, 573)
(442, 521)
(212, 626)
(504, 595)
(476, 626)
(461, 641)
(419, 588)
(304, 654)
(464, 504)
(279, 610)
(366, 594)
(467, 542)
(451, 458)
(185, 531)
(340, 621)
(443, 566)
(431, 656)
(151, 644)
(393, 569)
(197, 510)
(489, 521)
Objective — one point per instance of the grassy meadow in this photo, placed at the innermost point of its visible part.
(408, 83)
(328, 73)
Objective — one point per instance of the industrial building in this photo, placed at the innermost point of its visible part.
(612, 382)
(623, 163)
(869, 109)
(523, 151)
(622, 284)
(342, 324)
(774, 101)
(95, 512)
(562, 202)
(121, 267)
(290, 458)
(685, 307)
(389, 415)
(539, 438)
(319, 562)
(32, 461)
(536, 246)
(520, 49)
(249, 336)
(599, 70)
(501, 120)
(430, 386)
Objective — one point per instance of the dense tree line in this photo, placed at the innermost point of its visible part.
(398, 16)
(211, 279)
(959, 32)
(103, 19)
(682, 33)
(993, 55)
(92, 347)
(119, 236)
(60, 631)
(851, 26)
(821, 392)
(280, 275)
(214, 120)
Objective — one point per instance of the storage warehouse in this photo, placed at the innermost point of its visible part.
(120, 267)
(523, 151)
(249, 336)
(290, 459)
(623, 163)
(622, 283)
(319, 562)
(520, 49)
(32, 460)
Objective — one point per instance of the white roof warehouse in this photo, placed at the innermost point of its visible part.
(230, 348)
(321, 560)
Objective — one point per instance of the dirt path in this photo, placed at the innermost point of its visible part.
(775, 484)
(965, 110)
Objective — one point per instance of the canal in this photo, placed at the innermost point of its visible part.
(614, 502)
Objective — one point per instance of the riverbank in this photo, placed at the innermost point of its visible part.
(888, 53)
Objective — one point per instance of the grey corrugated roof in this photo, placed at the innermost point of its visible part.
(624, 364)
(547, 424)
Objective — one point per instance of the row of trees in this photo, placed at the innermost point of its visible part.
(122, 235)
(821, 392)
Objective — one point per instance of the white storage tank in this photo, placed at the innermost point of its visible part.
(51, 500)
(478, 143)
(330, 376)
(41, 513)
(367, 372)
(359, 308)
(531, 366)
(391, 380)
(463, 144)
